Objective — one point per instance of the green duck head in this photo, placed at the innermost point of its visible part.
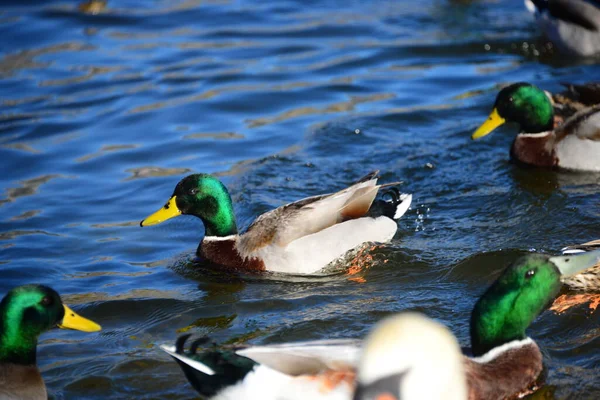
(521, 103)
(28, 311)
(203, 196)
(519, 295)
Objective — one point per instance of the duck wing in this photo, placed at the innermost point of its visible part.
(585, 124)
(575, 98)
(313, 214)
(581, 248)
(587, 93)
(306, 358)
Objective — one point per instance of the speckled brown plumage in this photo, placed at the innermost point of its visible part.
(224, 252)
(572, 125)
(587, 280)
(511, 375)
(576, 98)
(573, 106)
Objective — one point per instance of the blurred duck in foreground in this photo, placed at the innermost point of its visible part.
(25, 313)
(298, 238)
(401, 356)
(399, 359)
(572, 25)
(506, 363)
(561, 130)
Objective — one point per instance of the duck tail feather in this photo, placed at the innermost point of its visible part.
(198, 342)
(368, 177)
(392, 204)
(180, 343)
(209, 370)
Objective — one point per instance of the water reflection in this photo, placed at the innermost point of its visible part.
(114, 107)
(106, 149)
(214, 135)
(26, 215)
(28, 187)
(152, 172)
(26, 59)
(93, 6)
(17, 233)
(91, 296)
(339, 107)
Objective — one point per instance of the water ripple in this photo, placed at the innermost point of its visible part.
(106, 105)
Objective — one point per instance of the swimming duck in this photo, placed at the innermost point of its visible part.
(572, 25)
(565, 135)
(297, 238)
(25, 313)
(400, 357)
(505, 363)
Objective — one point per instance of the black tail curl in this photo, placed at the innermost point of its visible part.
(199, 342)
(180, 344)
(228, 366)
(392, 194)
(387, 204)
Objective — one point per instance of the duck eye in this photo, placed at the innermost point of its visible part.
(193, 191)
(510, 99)
(47, 301)
(529, 274)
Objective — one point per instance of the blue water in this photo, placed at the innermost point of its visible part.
(101, 115)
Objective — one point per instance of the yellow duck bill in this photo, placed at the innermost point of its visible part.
(493, 121)
(72, 320)
(168, 211)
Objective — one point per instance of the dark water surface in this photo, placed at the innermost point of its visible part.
(101, 115)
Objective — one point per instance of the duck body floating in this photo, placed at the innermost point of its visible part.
(297, 238)
(561, 131)
(572, 25)
(400, 357)
(506, 364)
(25, 313)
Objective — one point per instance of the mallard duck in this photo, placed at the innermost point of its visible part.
(572, 25)
(400, 357)
(505, 363)
(542, 141)
(25, 313)
(298, 238)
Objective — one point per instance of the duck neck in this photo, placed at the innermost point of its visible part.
(494, 323)
(17, 342)
(219, 220)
